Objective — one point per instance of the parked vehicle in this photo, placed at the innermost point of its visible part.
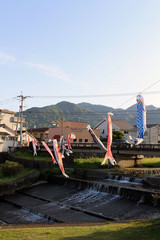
(121, 143)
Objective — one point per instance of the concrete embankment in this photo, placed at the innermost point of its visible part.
(11, 187)
(73, 201)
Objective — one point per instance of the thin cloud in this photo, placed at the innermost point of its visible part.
(52, 72)
(6, 58)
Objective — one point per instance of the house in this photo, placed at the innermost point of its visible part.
(130, 133)
(152, 134)
(25, 138)
(7, 138)
(10, 131)
(41, 134)
(78, 128)
(8, 117)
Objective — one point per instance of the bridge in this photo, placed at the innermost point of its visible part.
(121, 152)
(141, 149)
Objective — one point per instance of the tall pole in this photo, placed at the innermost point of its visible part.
(15, 138)
(21, 117)
(62, 123)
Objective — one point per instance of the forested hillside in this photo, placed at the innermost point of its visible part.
(93, 114)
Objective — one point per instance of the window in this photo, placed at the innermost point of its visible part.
(41, 135)
(11, 138)
(125, 132)
(86, 140)
(146, 134)
(75, 140)
(80, 140)
(102, 131)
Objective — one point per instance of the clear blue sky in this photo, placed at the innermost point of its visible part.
(79, 47)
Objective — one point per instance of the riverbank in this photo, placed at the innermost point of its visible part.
(140, 229)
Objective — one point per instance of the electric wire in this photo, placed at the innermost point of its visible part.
(143, 91)
(6, 101)
(96, 95)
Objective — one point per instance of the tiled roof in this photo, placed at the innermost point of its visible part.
(37, 130)
(73, 124)
(6, 111)
(152, 125)
(4, 133)
(121, 124)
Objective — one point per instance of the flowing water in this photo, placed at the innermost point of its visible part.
(76, 200)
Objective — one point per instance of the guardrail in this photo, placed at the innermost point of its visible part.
(118, 146)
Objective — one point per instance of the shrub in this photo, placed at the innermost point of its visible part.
(45, 174)
(11, 168)
(156, 197)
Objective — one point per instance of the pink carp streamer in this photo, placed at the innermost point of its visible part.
(48, 149)
(34, 148)
(109, 155)
(58, 156)
(70, 136)
(28, 140)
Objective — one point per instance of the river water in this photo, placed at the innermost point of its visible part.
(52, 202)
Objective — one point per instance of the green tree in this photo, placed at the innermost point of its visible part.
(117, 135)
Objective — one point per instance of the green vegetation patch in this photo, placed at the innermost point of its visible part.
(46, 173)
(11, 168)
(24, 172)
(151, 162)
(91, 162)
(144, 230)
(29, 155)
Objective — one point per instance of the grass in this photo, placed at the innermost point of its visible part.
(91, 162)
(29, 155)
(151, 162)
(24, 172)
(142, 229)
(94, 163)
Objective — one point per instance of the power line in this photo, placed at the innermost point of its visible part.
(6, 101)
(150, 86)
(98, 95)
(93, 113)
(141, 92)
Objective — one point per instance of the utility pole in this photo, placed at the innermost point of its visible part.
(15, 138)
(62, 123)
(22, 98)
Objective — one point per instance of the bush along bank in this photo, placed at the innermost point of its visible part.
(14, 177)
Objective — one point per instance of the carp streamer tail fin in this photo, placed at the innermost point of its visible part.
(110, 157)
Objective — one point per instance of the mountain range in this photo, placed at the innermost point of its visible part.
(93, 114)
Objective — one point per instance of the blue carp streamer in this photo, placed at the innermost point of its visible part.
(141, 118)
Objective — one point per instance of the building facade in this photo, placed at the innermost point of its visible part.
(130, 133)
(79, 129)
(8, 118)
(7, 138)
(41, 134)
(152, 134)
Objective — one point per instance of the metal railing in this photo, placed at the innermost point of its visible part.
(118, 145)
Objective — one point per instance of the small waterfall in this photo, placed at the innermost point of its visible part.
(136, 193)
(35, 216)
(125, 179)
(2, 223)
